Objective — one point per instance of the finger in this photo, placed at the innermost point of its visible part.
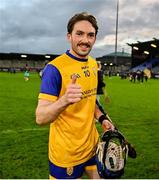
(74, 78)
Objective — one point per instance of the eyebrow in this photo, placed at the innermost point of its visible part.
(91, 33)
(80, 31)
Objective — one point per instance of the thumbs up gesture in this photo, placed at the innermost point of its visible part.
(73, 92)
(74, 79)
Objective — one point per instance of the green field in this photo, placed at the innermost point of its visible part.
(134, 108)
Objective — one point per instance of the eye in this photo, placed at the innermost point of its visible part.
(91, 35)
(79, 33)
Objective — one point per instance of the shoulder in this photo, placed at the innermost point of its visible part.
(50, 69)
(51, 74)
(51, 80)
(92, 61)
(58, 60)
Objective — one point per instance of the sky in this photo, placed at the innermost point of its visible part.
(39, 26)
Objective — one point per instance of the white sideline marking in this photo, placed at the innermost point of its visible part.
(22, 130)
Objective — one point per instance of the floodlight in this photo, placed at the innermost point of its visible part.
(146, 52)
(153, 45)
(47, 57)
(136, 48)
(23, 55)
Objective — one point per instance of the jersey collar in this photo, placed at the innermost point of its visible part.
(74, 57)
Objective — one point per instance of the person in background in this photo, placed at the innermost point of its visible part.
(26, 75)
(101, 88)
(67, 101)
(40, 73)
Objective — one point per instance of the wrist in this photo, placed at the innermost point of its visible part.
(102, 118)
(63, 101)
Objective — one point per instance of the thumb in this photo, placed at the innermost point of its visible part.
(74, 78)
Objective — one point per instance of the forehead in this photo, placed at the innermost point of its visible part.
(84, 26)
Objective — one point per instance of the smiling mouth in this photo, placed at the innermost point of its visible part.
(84, 46)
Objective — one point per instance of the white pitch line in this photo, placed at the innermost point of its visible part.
(7, 131)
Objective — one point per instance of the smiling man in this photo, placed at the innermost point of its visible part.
(67, 101)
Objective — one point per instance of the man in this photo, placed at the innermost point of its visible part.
(67, 101)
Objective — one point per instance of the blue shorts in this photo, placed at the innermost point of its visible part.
(71, 172)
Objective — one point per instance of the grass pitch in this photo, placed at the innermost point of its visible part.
(24, 145)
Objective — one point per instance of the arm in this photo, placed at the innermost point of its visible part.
(103, 119)
(48, 111)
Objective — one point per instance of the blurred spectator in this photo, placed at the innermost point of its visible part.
(101, 85)
(26, 75)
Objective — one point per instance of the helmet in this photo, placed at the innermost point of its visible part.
(111, 155)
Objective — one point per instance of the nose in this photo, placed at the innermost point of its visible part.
(85, 39)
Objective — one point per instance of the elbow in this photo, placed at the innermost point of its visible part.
(43, 117)
(39, 119)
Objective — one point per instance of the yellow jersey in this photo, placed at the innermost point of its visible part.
(73, 135)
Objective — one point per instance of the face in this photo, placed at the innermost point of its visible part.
(82, 39)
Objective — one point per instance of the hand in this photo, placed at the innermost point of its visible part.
(73, 92)
(107, 125)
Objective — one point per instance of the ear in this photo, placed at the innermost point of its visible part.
(69, 36)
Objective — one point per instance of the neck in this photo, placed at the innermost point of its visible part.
(78, 56)
(68, 52)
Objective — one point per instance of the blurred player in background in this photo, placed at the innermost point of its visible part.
(26, 75)
(101, 88)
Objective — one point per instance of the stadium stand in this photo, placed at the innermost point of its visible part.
(155, 72)
(13, 62)
(122, 62)
(143, 52)
(145, 56)
(148, 64)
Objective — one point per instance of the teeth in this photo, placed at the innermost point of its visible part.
(84, 46)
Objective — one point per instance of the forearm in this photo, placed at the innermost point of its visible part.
(98, 112)
(47, 113)
(103, 119)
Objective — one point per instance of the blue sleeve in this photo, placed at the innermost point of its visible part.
(51, 81)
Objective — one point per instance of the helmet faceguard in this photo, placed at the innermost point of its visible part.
(111, 155)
